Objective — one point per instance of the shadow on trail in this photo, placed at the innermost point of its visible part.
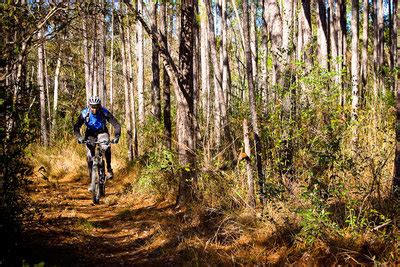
(72, 231)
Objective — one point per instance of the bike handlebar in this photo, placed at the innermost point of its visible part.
(96, 142)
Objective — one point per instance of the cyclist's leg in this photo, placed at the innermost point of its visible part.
(90, 151)
(107, 152)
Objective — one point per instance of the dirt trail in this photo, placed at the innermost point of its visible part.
(69, 230)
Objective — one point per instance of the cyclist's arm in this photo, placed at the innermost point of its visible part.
(115, 124)
(78, 125)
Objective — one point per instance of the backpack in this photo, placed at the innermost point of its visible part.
(96, 123)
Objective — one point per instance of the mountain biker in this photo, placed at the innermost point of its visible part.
(95, 117)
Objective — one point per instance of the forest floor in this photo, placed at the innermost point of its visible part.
(129, 228)
(67, 229)
(70, 230)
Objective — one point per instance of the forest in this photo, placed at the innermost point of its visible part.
(254, 132)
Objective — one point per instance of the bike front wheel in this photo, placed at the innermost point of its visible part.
(95, 179)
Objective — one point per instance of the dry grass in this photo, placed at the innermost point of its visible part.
(221, 229)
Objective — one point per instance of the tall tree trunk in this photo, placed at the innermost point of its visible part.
(354, 62)
(111, 86)
(224, 50)
(251, 201)
(254, 41)
(342, 47)
(185, 101)
(322, 35)
(396, 176)
(132, 106)
(155, 66)
(220, 104)
(264, 65)
(101, 58)
(166, 82)
(46, 86)
(40, 78)
(364, 52)
(88, 80)
(381, 45)
(252, 103)
(334, 39)
(394, 38)
(305, 49)
(125, 74)
(274, 20)
(205, 78)
(55, 92)
(94, 58)
(140, 66)
(376, 49)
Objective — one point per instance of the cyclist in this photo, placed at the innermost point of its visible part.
(95, 117)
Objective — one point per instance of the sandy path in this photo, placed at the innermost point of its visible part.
(70, 230)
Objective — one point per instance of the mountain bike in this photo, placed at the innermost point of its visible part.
(98, 182)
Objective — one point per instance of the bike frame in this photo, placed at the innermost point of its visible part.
(98, 181)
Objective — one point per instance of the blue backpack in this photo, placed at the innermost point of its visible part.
(96, 122)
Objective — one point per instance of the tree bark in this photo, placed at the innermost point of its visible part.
(322, 35)
(55, 92)
(364, 52)
(253, 112)
(140, 66)
(396, 176)
(111, 86)
(185, 112)
(354, 62)
(42, 95)
(126, 87)
(275, 25)
(166, 82)
(251, 201)
(101, 57)
(155, 66)
(132, 102)
(264, 66)
(88, 80)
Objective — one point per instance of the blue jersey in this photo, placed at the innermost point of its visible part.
(95, 123)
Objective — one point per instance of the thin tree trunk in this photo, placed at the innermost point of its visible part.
(140, 65)
(251, 201)
(166, 82)
(381, 45)
(111, 86)
(253, 112)
(94, 59)
(264, 66)
(205, 80)
(275, 25)
(55, 92)
(342, 47)
(394, 38)
(220, 104)
(101, 55)
(126, 87)
(88, 81)
(322, 35)
(364, 52)
(42, 95)
(396, 176)
(354, 62)
(46, 86)
(132, 106)
(254, 41)
(155, 66)
(185, 112)
(376, 50)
